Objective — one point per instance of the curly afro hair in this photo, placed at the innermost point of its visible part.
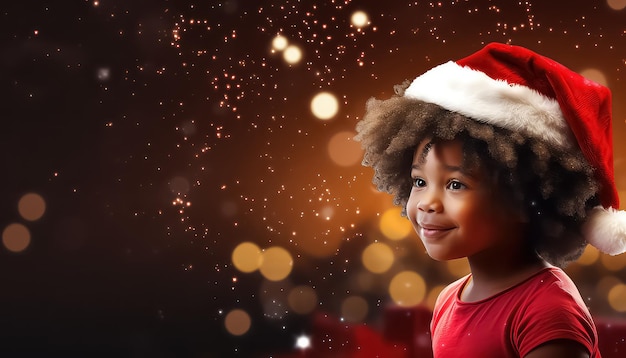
(555, 188)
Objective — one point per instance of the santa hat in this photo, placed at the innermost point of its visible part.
(514, 88)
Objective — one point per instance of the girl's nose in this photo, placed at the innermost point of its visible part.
(430, 203)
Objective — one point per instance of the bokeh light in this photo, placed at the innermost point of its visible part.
(302, 299)
(343, 150)
(292, 54)
(595, 75)
(377, 257)
(616, 4)
(354, 309)
(407, 288)
(613, 263)
(458, 268)
(393, 225)
(589, 256)
(179, 185)
(31, 206)
(280, 43)
(605, 284)
(276, 264)
(16, 237)
(324, 105)
(237, 322)
(303, 342)
(247, 257)
(359, 19)
(103, 74)
(434, 292)
(617, 297)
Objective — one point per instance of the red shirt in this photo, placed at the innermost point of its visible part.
(542, 308)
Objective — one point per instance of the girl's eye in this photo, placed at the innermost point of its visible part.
(419, 182)
(456, 185)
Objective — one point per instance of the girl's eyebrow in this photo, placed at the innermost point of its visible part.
(451, 168)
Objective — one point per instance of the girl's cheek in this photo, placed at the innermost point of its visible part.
(411, 208)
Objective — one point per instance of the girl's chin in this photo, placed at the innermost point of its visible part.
(437, 255)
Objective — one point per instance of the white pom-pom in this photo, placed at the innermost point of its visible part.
(605, 229)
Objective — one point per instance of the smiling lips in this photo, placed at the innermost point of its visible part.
(429, 231)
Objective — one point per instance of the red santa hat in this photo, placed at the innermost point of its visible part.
(515, 88)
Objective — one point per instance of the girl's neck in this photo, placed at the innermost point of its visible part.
(494, 276)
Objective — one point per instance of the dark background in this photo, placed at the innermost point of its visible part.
(113, 110)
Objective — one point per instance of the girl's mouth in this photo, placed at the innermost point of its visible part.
(433, 232)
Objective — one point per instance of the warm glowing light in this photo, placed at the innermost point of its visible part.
(247, 257)
(324, 105)
(179, 185)
(302, 299)
(359, 19)
(458, 268)
(605, 284)
(279, 43)
(617, 297)
(237, 322)
(303, 342)
(292, 54)
(31, 206)
(103, 74)
(354, 309)
(431, 298)
(589, 256)
(276, 264)
(393, 225)
(613, 263)
(616, 4)
(594, 75)
(343, 150)
(407, 288)
(16, 237)
(377, 257)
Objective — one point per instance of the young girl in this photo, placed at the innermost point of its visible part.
(503, 157)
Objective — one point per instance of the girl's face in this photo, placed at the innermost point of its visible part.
(454, 209)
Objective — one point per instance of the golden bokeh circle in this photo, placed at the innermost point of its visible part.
(393, 225)
(324, 105)
(407, 288)
(16, 237)
(359, 19)
(616, 4)
(292, 54)
(276, 264)
(431, 298)
(617, 297)
(613, 263)
(237, 322)
(302, 299)
(589, 256)
(377, 257)
(343, 150)
(458, 268)
(605, 284)
(279, 43)
(247, 257)
(31, 206)
(595, 75)
(354, 309)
